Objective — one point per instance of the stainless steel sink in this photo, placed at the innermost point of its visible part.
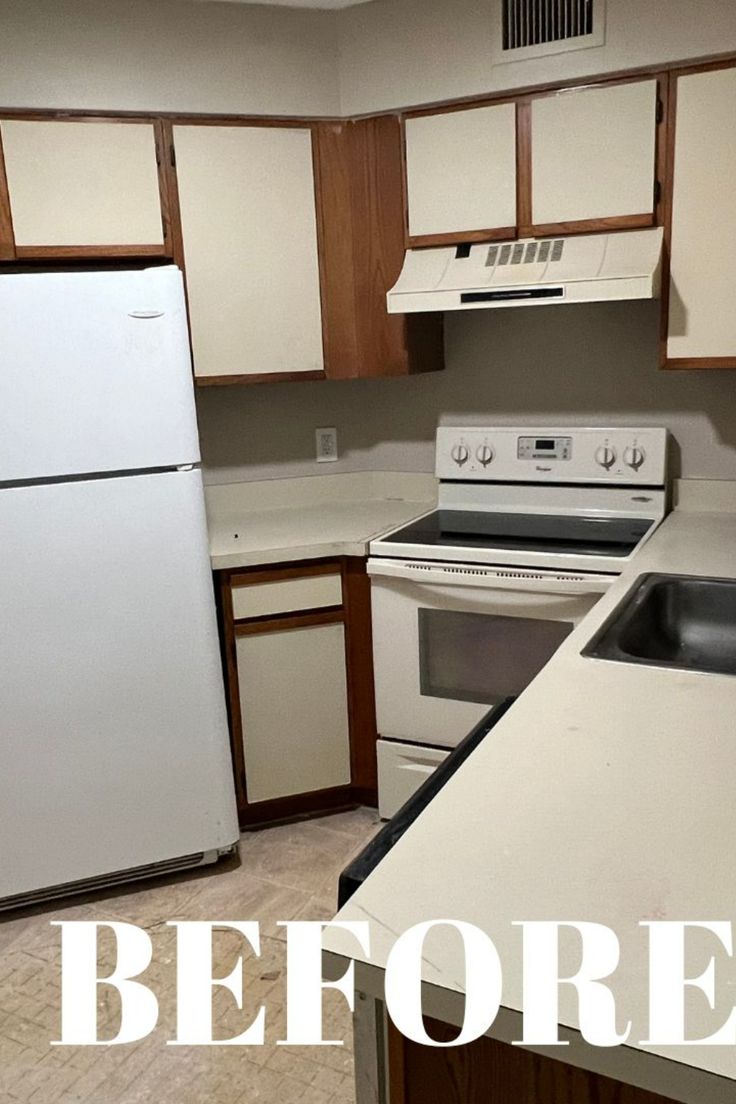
(679, 621)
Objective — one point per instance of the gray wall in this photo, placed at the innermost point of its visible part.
(591, 364)
(399, 52)
(167, 55)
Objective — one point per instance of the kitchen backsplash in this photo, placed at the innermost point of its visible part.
(577, 365)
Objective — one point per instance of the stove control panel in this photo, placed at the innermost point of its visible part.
(627, 457)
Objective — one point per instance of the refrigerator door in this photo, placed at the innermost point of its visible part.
(114, 749)
(96, 373)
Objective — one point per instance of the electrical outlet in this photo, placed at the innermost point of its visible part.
(326, 445)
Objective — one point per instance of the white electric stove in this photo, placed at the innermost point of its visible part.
(471, 601)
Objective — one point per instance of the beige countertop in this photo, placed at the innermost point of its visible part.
(605, 794)
(277, 521)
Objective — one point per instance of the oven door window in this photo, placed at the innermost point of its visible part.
(479, 657)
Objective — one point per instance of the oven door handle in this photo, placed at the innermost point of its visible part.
(545, 582)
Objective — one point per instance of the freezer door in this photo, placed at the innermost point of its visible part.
(114, 749)
(95, 373)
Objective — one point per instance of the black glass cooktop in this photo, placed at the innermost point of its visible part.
(580, 536)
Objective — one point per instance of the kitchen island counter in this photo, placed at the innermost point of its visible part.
(606, 795)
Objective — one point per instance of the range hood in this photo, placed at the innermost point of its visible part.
(588, 268)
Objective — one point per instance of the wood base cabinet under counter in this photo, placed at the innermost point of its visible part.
(297, 647)
(491, 1072)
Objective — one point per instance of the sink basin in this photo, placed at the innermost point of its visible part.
(679, 621)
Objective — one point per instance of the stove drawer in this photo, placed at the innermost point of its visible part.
(402, 769)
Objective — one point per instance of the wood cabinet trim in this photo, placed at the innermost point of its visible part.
(361, 695)
(285, 622)
(678, 364)
(7, 240)
(86, 252)
(523, 166)
(164, 191)
(281, 810)
(588, 226)
(277, 574)
(460, 237)
(232, 690)
(258, 377)
(666, 210)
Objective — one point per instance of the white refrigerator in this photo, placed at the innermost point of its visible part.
(114, 751)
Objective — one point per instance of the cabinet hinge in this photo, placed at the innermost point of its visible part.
(172, 155)
(657, 192)
(660, 111)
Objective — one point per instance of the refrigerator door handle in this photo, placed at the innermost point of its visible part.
(146, 314)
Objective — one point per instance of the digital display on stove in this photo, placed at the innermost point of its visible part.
(545, 448)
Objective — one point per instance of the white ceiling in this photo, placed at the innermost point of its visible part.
(325, 4)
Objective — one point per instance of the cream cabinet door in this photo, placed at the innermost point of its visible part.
(83, 185)
(294, 710)
(702, 323)
(594, 154)
(461, 171)
(249, 227)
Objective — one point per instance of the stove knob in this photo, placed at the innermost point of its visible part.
(485, 455)
(460, 455)
(606, 457)
(634, 457)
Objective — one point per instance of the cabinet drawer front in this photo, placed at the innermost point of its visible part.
(77, 184)
(402, 769)
(293, 702)
(287, 596)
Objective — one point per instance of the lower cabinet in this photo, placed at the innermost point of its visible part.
(300, 688)
(488, 1071)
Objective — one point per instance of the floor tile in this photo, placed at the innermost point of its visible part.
(283, 874)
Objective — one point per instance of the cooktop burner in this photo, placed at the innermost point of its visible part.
(582, 536)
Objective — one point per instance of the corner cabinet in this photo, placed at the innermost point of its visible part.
(700, 330)
(81, 189)
(461, 175)
(300, 688)
(593, 159)
(290, 237)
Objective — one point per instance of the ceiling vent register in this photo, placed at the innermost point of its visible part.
(531, 28)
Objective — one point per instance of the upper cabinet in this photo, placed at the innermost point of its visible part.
(701, 332)
(593, 158)
(249, 233)
(77, 189)
(461, 174)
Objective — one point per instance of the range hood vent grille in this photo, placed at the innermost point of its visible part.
(535, 252)
(536, 25)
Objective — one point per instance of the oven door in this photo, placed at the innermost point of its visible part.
(450, 641)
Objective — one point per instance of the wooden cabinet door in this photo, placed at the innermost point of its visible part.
(294, 709)
(593, 158)
(701, 321)
(82, 189)
(248, 222)
(461, 175)
(490, 1072)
